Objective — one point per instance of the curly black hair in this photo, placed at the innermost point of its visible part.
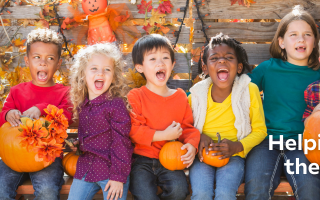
(219, 39)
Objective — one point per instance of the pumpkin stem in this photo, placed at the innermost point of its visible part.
(78, 152)
(70, 144)
(23, 119)
(219, 137)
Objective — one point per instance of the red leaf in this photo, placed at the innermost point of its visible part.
(144, 7)
(147, 28)
(165, 7)
(240, 2)
(66, 22)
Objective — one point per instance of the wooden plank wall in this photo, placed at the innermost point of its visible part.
(257, 35)
(30, 12)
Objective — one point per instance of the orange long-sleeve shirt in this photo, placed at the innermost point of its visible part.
(151, 113)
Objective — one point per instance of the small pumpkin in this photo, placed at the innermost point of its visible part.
(170, 156)
(69, 163)
(214, 160)
(311, 131)
(15, 156)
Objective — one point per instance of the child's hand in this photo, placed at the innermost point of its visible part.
(13, 117)
(226, 147)
(189, 156)
(205, 141)
(33, 113)
(74, 148)
(115, 190)
(317, 108)
(173, 131)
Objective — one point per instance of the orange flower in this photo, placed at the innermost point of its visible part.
(58, 121)
(32, 133)
(48, 151)
(58, 136)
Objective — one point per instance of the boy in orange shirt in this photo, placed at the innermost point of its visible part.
(159, 114)
(29, 99)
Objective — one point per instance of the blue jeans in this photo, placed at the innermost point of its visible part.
(81, 189)
(147, 173)
(264, 167)
(47, 183)
(228, 179)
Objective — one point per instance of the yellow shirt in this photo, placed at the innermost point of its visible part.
(220, 118)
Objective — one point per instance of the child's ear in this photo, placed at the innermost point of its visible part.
(204, 69)
(26, 60)
(240, 68)
(59, 64)
(139, 68)
(173, 64)
(281, 42)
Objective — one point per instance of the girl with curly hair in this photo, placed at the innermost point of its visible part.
(98, 94)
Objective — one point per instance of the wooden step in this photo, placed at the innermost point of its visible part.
(27, 188)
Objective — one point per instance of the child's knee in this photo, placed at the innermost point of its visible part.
(202, 194)
(48, 193)
(176, 190)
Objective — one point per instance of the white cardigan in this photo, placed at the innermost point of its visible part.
(240, 100)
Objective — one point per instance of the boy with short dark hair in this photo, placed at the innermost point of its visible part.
(159, 114)
(29, 99)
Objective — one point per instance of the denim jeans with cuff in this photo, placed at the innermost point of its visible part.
(81, 189)
(227, 178)
(47, 182)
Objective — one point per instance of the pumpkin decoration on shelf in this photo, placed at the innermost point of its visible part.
(312, 131)
(35, 144)
(69, 161)
(107, 23)
(99, 27)
(170, 156)
(214, 160)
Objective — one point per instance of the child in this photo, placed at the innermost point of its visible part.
(283, 79)
(312, 99)
(159, 114)
(29, 99)
(229, 104)
(98, 95)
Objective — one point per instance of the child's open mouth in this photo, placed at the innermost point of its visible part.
(301, 49)
(42, 76)
(223, 74)
(99, 84)
(161, 74)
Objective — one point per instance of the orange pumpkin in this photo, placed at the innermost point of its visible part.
(15, 156)
(213, 160)
(69, 163)
(311, 131)
(93, 7)
(170, 156)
